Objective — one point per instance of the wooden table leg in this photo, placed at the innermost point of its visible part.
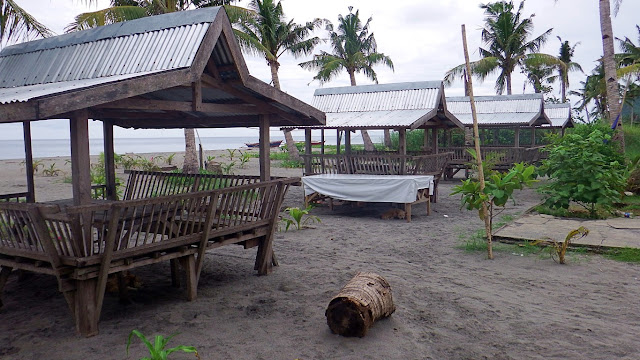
(407, 210)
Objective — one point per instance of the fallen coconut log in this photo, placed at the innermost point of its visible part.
(363, 300)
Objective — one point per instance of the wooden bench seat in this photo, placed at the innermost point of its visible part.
(82, 245)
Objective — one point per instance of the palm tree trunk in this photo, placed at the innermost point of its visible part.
(366, 139)
(387, 138)
(190, 165)
(509, 84)
(563, 85)
(611, 79)
(294, 154)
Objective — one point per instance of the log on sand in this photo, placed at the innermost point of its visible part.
(363, 300)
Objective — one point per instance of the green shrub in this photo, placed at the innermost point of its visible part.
(584, 167)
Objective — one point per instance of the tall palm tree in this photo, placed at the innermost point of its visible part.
(593, 90)
(610, 67)
(17, 25)
(505, 33)
(268, 34)
(630, 57)
(565, 55)
(124, 10)
(540, 76)
(354, 50)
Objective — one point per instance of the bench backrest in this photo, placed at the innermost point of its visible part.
(145, 184)
(433, 164)
(80, 235)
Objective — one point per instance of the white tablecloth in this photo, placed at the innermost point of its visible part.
(368, 188)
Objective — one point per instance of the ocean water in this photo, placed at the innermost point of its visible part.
(14, 149)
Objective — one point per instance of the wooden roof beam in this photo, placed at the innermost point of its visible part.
(146, 104)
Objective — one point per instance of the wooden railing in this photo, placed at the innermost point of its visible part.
(15, 197)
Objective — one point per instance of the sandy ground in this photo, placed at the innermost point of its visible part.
(451, 304)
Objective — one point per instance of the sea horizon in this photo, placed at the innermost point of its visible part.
(44, 148)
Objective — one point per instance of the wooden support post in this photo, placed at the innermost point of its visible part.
(338, 141)
(402, 141)
(425, 140)
(449, 137)
(265, 149)
(402, 149)
(265, 255)
(191, 278)
(347, 142)
(533, 136)
(109, 160)
(307, 151)
(434, 140)
(28, 160)
(322, 141)
(85, 307)
(80, 162)
(495, 136)
(516, 142)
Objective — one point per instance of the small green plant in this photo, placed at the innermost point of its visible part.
(558, 250)
(169, 159)
(157, 350)
(298, 217)
(227, 169)
(210, 158)
(244, 158)
(232, 153)
(37, 164)
(51, 170)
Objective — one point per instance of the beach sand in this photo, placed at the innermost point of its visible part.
(451, 304)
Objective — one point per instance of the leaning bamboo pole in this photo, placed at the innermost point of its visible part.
(476, 137)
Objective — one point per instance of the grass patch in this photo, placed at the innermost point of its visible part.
(628, 255)
(291, 164)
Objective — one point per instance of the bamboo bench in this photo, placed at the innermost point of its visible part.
(82, 245)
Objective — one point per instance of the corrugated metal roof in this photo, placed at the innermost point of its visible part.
(25, 93)
(559, 114)
(387, 105)
(379, 88)
(138, 26)
(374, 119)
(138, 53)
(522, 109)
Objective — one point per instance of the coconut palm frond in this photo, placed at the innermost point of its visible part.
(107, 16)
(18, 25)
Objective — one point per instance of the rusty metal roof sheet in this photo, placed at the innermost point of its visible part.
(523, 110)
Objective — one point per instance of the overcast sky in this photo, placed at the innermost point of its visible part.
(423, 39)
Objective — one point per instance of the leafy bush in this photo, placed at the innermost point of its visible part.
(499, 188)
(585, 167)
